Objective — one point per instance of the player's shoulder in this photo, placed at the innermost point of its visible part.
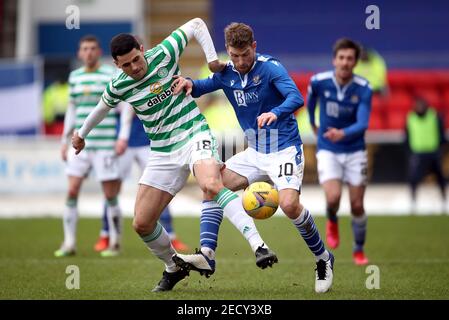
(268, 61)
(322, 76)
(153, 51)
(119, 76)
(76, 73)
(361, 82)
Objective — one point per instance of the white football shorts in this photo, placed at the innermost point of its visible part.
(103, 162)
(347, 167)
(169, 171)
(284, 168)
(137, 154)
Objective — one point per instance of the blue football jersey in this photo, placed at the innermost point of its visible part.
(138, 137)
(267, 87)
(346, 108)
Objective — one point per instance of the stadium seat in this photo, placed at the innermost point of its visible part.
(396, 119)
(399, 80)
(445, 101)
(376, 121)
(377, 102)
(399, 100)
(424, 79)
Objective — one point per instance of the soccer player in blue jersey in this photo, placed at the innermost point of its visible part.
(345, 104)
(138, 150)
(264, 99)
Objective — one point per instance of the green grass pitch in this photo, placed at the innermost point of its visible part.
(411, 252)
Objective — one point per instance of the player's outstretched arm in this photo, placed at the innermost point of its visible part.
(69, 125)
(197, 28)
(94, 118)
(196, 88)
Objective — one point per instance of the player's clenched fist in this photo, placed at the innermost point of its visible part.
(78, 143)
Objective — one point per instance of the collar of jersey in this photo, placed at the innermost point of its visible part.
(243, 81)
(341, 90)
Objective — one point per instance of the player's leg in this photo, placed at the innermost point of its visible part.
(330, 175)
(77, 167)
(167, 222)
(359, 223)
(211, 217)
(239, 174)
(441, 180)
(207, 174)
(141, 155)
(70, 218)
(146, 214)
(332, 191)
(417, 170)
(355, 174)
(107, 170)
(219, 200)
(162, 178)
(286, 169)
(111, 189)
(125, 162)
(103, 240)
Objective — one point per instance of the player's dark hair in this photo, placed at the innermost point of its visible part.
(238, 35)
(122, 44)
(89, 38)
(345, 43)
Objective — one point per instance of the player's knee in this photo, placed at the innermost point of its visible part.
(290, 206)
(142, 227)
(357, 208)
(211, 186)
(73, 192)
(333, 200)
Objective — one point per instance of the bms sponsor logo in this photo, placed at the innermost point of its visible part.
(243, 98)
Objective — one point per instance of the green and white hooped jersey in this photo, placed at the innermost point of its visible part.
(85, 92)
(169, 121)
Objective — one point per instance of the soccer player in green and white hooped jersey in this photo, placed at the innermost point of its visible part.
(86, 86)
(180, 137)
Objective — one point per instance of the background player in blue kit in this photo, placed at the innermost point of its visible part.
(345, 105)
(138, 150)
(264, 98)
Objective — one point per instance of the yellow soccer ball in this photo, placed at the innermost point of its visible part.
(260, 200)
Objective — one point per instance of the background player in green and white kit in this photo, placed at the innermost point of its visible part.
(179, 134)
(102, 147)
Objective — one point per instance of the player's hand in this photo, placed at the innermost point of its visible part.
(216, 66)
(266, 118)
(78, 143)
(334, 134)
(315, 130)
(64, 152)
(120, 146)
(180, 84)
